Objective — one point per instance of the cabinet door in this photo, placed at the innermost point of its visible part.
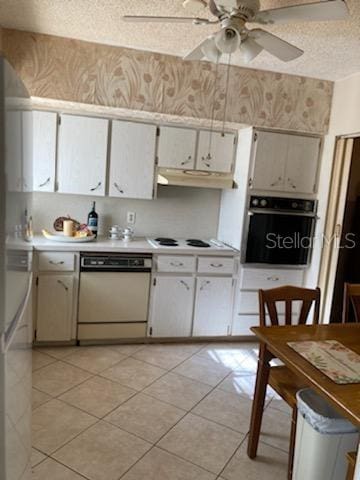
(172, 305)
(27, 153)
(269, 159)
(82, 150)
(132, 160)
(215, 151)
(177, 148)
(44, 150)
(302, 164)
(213, 306)
(13, 150)
(54, 308)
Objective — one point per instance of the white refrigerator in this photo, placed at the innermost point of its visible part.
(15, 277)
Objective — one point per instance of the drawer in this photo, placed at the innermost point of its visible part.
(176, 263)
(56, 261)
(243, 323)
(265, 278)
(248, 302)
(222, 265)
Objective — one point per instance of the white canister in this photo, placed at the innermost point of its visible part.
(68, 228)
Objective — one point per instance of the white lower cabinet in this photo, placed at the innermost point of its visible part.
(54, 308)
(213, 306)
(172, 306)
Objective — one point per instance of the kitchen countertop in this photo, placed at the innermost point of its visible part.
(138, 245)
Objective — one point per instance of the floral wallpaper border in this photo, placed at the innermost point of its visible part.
(77, 71)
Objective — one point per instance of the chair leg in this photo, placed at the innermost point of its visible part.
(292, 443)
(262, 378)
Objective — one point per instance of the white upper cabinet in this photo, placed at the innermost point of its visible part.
(44, 150)
(82, 152)
(215, 151)
(132, 160)
(302, 164)
(13, 151)
(270, 151)
(177, 148)
(172, 306)
(285, 162)
(27, 151)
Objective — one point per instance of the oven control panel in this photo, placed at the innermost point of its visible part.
(284, 204)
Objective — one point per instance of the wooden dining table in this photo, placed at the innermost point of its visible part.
(274, 340)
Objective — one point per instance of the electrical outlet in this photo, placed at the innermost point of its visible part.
(131, 218)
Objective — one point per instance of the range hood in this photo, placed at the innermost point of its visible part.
(194, 178)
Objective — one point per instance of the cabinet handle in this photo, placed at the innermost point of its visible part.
(184, 162)
(63, 285)
(118, 188)
(203, 285)
(216, 265)
(95, 188)
(178, 264)
(206, 160)
(185, 284)
(45, 183)
(56, 263)
(274, 184)
(291, 183)
(273, 279)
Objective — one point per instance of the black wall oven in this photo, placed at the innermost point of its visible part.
(279, 231)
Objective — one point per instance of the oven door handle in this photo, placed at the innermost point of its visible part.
(254, 211)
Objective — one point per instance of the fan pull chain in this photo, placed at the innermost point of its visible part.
(208, 157)
(226, 93)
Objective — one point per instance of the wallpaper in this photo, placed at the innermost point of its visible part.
(77, 71)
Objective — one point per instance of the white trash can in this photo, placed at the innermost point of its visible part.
(323, 438)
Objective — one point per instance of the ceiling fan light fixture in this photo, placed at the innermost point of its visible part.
(210, 50)
(250, 49)
(227, 40)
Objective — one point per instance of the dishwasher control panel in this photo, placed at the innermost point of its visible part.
(115, 262)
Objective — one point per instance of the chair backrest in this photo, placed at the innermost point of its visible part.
(351, 297)
(268, 300)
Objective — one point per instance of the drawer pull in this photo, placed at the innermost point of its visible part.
(56, 263)
(273, 279)
(216, 265)
(95, 188)
(63, 285)
(45, 183)
(187, 161)
(176, 264)
(185, 284)
(203, 285)
(118, 188)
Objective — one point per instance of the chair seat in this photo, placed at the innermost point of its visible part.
(286, 384)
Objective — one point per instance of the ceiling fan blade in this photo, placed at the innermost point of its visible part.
(250, 49)
(206, 48)
(214, 9)
(275, 45)
(320, 11)
(142, 18)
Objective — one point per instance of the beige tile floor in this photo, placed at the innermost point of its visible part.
(152, 412)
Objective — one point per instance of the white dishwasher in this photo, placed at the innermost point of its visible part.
(114, 296)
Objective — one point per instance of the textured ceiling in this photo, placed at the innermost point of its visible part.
(332, 49)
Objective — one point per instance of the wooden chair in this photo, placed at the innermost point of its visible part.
(351, 298)
(281, 379)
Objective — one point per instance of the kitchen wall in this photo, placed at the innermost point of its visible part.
(345, 120)
(78, 71)
(178, 212)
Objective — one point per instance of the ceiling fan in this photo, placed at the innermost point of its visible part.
(234, 15)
